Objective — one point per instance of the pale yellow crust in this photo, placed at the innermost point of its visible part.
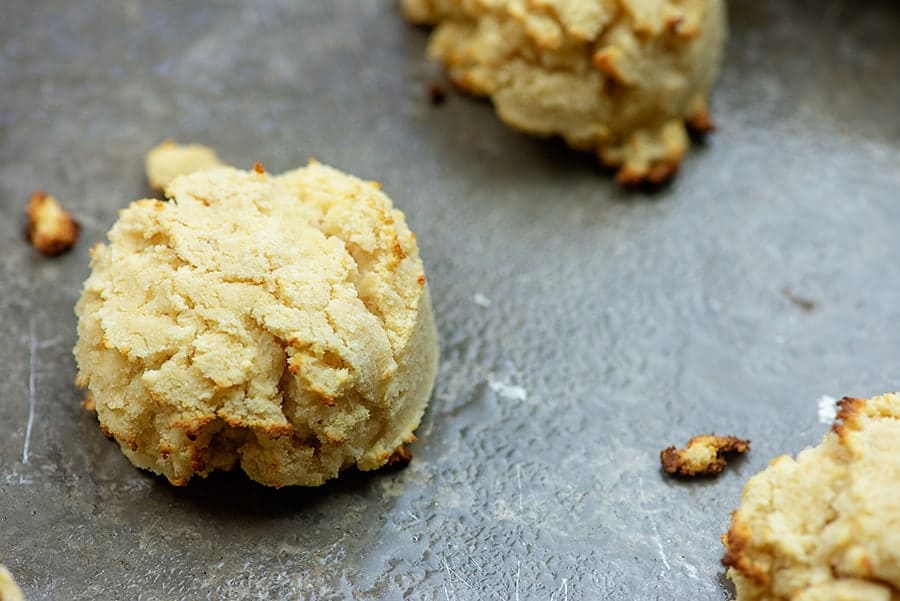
(623, 78)
(168, 159)
(826, 526)
(9, 590)
(278, 323)
(51, 229)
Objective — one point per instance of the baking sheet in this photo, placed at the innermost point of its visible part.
(582, 328)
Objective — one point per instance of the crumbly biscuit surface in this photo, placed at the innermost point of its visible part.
(826, 526)
(620, 77)
(279, 323)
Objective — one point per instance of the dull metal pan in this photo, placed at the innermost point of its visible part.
(583, 328)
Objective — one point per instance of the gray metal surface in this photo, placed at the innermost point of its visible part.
(583, 328)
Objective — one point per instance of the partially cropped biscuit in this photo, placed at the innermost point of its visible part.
(9, 590)
(622, 78)
(168, 159)
(278, 323)
(826, 526)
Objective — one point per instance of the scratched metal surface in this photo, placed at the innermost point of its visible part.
(582, 328)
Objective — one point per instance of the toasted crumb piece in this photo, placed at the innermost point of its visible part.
(87, 404)
(50, 228)
(9, 590)
(436, 93)
(168, 159)
(704, 455)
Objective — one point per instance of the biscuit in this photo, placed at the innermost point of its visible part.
(278, 323)
(9, 590)
(825, 526)
(704, 455)
(168, 159)
(622, 78)
(50, 228)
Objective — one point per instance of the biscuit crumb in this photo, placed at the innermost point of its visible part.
(259, 168)
(437, 94)
(88, 403)
(704, 455)
(168, 159)
(51, 229)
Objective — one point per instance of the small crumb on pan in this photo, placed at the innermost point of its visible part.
(437, 94)
(50, 228)
(704, 455)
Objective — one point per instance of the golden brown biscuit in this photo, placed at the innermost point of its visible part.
(620, 77)
(168, 159)
(50, 228)
(9, 590)
(704, 455)
(826, 526)
(281, 323)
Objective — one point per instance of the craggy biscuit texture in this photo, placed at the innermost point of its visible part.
(9, 590)
(51, 229)
(278, 323)
(826, 526)
(168, 159)
(704, 455)
(620, 77)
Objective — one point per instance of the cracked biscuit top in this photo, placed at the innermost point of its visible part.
(277, 322)
(826, 526)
